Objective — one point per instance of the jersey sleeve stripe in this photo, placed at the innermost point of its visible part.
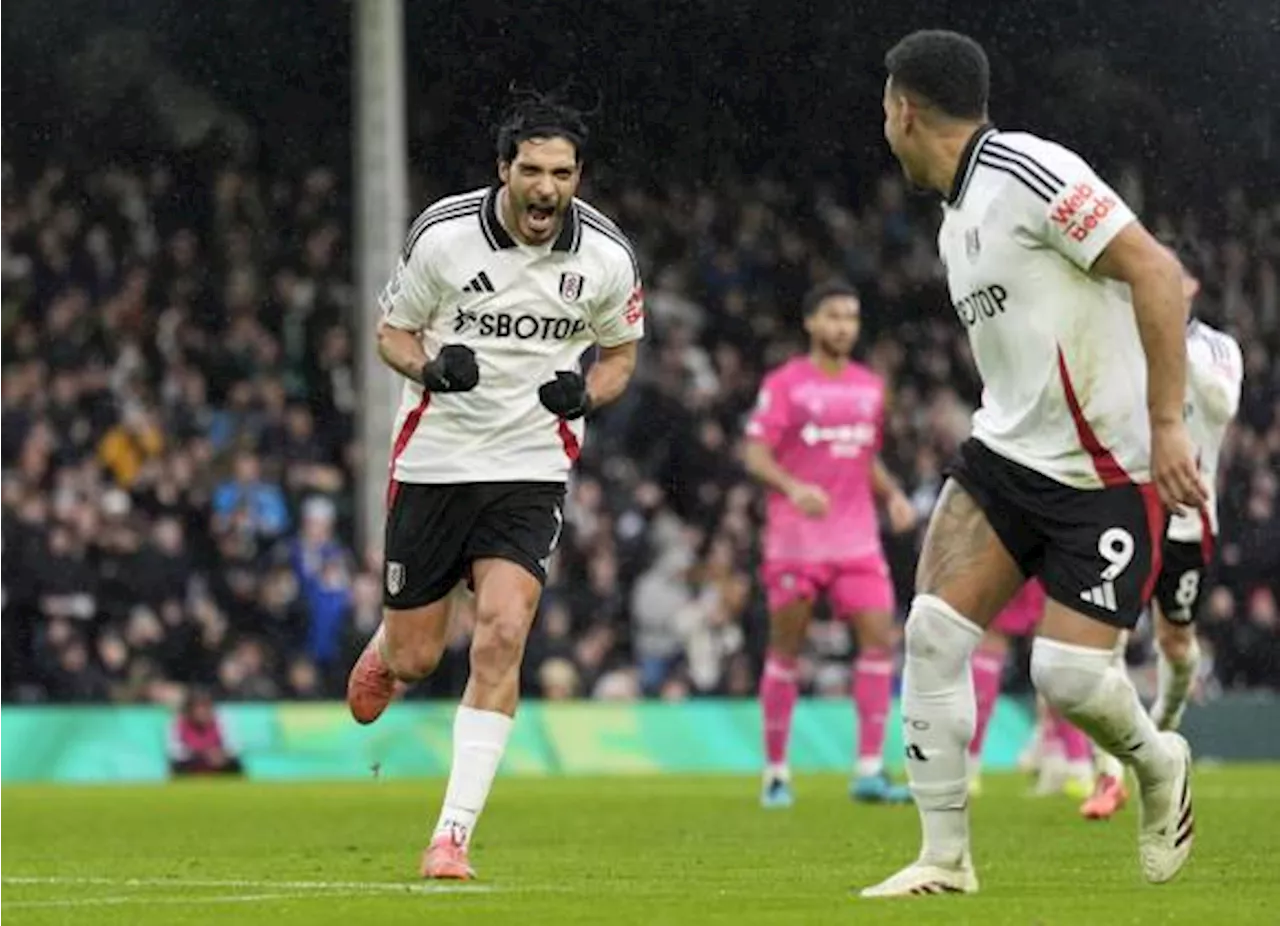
(1052, 188)
(420, 228)
(995, 147)
(590, 221)
(466, 199)
(446, 208)
(463, 209)
(1026, 180)
(586, 208)
(606, 224)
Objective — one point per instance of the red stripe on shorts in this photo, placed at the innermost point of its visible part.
(1206, 536)
(1155, 527)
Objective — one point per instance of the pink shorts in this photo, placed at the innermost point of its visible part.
(1021, 615)
(851, 586)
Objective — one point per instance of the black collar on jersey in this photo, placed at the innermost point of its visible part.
(968, 161)
(499, 238)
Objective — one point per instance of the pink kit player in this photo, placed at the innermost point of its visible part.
(814, 440)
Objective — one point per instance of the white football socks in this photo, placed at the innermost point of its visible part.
(1173, 684)
(479, 739)
(1086, 687)
(938, 717)
(1104, 763)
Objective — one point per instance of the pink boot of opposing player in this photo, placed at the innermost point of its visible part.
(446, 860)
(1108, 798)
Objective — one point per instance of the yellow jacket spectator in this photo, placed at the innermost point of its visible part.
(130, 444)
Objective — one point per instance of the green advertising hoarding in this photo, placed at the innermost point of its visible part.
(320, 741)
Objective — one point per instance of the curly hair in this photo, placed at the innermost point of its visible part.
(535, 115)
(948, 69)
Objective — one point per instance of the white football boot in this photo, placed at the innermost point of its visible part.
(920, 879)
(1166, 824)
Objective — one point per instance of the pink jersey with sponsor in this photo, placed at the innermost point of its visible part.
(825, 430)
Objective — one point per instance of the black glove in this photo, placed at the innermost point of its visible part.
(453, 370)
(566, 395)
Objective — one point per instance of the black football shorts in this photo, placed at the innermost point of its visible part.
(1183, 574)
(1095, 550)
(435, 532)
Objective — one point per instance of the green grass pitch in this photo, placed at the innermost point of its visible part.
(641, 850)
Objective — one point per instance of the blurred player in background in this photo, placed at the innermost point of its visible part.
(1018, 619)
(1215, 375)
(1068, 766)
(497, 295)
(1076, 316)
(814, 441)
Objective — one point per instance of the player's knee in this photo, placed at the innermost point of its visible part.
(498, 643)
(1067, 676)
(412, 649)
(938, 634)
(785, 639)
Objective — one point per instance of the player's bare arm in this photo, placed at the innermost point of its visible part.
(452, 370)
(611, 373)
(401, 350)
(758, 458)
(963, 562)
(1136, 258)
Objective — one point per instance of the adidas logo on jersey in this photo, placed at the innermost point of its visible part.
(479, 284)
(1101, 596)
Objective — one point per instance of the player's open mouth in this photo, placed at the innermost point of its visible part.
(540, 217)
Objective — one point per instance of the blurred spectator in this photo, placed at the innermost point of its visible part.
(323, 569)
(247, 503)
(197, 744)
(129, 445)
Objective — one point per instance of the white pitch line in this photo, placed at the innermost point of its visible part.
(357, 887)
(143, 899)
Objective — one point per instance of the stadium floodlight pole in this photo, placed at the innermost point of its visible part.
(381, 203)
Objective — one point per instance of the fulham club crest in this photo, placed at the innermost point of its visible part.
(570, 286)
(395, 578)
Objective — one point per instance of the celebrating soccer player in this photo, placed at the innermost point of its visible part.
(497, 295)
(1215, 371)
(814, 440)
(1076, 315)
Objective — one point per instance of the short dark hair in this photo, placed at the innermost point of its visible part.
(819, 294)
(537, 116)
(948, 69)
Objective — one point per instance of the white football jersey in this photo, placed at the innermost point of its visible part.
(1215, 372)
(527, 312)
(1063, 369)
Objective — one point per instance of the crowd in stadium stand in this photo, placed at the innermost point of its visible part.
(178, 422)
